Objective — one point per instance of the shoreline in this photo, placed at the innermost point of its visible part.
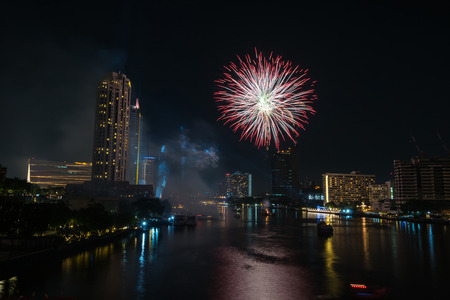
(376, 216)
(13, 264)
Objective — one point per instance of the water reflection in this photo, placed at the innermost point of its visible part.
(251, 257)
(8, 287)
(333, 281)
(140, 281)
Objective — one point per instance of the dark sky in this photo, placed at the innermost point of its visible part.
(381, 69)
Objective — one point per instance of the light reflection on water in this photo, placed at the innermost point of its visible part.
(252, 257)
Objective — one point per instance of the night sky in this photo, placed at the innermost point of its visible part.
(381, 69)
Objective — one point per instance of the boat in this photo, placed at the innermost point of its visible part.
(324, 228)
(180, 220)
(266, 212)
(364, 291)
(191, 220)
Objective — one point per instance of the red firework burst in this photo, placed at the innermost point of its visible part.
(265, 99)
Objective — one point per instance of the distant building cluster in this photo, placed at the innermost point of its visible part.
(122, 169)
(117, 144)
(118, 169)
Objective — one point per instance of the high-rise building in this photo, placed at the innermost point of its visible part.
(285, 177)
(422, 179)
(134, 144)
(110, 153)
(239, 185)
(47, 173)
(339, 187)
(148, 172)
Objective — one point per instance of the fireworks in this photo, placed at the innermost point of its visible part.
(265, 99)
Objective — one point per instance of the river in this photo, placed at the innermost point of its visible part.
(252, 257)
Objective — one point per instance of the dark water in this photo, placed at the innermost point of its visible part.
(253, 257)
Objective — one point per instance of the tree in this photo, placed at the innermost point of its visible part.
(148, 207)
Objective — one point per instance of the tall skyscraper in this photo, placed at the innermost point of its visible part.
(110, 153)
(285, 178)
(148, 172)
(422, 179)
(134, 144)
(239, 185)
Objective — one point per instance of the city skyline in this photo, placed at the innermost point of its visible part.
(380, 72)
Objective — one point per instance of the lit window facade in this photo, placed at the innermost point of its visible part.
(239, 185)
(111, 131)
(351, 187)
(48, 174)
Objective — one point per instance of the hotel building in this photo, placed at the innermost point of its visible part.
(110, 153)
(338, 187)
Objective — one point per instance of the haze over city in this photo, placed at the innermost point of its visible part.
(381, 72)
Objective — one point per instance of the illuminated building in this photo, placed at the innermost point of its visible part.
(47, 173)
(239, 185)
(285, 178)
(110, 153)
(148, 172)
(422, 179)
(2, 173)
(134, 144)
(351, 187)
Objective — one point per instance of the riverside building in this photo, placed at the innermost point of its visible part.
(423, 179)
(340, 187)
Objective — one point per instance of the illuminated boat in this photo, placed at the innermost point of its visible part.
(364, 291)
(266, 212)
(324, 228)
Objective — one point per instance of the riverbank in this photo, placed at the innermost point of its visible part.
(15, 259)
(380, 216)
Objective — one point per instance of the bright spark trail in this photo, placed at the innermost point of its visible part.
(265, 99)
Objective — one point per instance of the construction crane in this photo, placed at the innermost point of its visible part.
(442, 142)
(421, 153)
